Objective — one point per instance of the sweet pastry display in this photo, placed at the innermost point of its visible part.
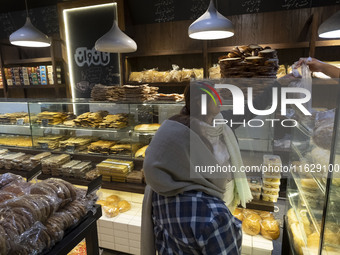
(175, 75)
(51, 118)
(114, 169)
(77, 143)
(249, 62)
(147, 127)
(141, 152)
(272, 165)
(49, 141)
(113, 205)
(174, 97)
(17, 141)
(90, 119)
(256, 222)
(52, 165)
(12, 118)
(36, 218)
(100, 146)
(115, 121)
(135, 177)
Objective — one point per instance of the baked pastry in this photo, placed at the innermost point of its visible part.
(113, 200)
(124, 206)
(238, 214)
(266, 215)
(141, 152)
(270, 229)
(111, 211)
(102, 202)
(251, 225)
(147, 127)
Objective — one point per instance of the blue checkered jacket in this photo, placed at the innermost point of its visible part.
(194, 223)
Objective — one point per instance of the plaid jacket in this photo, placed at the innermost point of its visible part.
(194, 223)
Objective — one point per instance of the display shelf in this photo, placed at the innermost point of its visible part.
(87, 229)
(290, 237)
(28, 175)
(111, 130)
(163, 84)
(120, 186)
(260, 205)
(27, 61)
(36, 86)
(312, 213)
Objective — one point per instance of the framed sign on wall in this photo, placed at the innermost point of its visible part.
(82, 23)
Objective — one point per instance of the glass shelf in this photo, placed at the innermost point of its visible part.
(123, 130)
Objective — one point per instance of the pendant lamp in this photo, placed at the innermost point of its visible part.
(29, 36)
(115, 41)
(211, 25)
(331, 27)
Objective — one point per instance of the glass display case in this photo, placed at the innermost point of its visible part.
(86, 127)
(312, 219)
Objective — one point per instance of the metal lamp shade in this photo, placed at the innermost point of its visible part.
(331, 27)
(29, 36)
(115, 41)
(211, 25)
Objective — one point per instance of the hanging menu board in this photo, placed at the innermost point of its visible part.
(87, 66)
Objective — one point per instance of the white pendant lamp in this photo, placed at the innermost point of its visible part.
(115, 41)
(29, 36)
(211, 25)
(331, 27)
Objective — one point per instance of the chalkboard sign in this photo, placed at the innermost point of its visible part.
(153, 11)
(43, 18)
(90, 67)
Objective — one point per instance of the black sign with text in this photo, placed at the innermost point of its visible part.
(90, 67)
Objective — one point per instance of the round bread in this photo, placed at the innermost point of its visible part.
(102, 202)
(238, 213)
(15, 189)
(251, 225)
(124, 206)
(113, 199)
(4, 196)
(270, 229)
(3, 243)
(111, 211)
(24, 204)
(266, 215)
(80, 207)
(70, 187)
(247, 212)
(42, 188)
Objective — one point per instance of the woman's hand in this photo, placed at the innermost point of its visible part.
(314, 64)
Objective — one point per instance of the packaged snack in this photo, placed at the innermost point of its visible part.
(273, 185)
(255, 185)
(256, 195)
(269, 198)
(270, 229)
(270, 191)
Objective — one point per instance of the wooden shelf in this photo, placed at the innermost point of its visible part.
(164, 53)
(27, 61)
(120, 186)
(36, 86)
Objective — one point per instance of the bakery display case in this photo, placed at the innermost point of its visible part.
(312, 219)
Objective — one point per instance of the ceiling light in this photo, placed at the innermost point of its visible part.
(115, 40)
(211, 25)
(29, 36)
(331, 27)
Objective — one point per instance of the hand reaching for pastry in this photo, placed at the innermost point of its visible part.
(316, 65)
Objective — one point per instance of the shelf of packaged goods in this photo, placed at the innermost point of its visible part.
(319, 181)
(310, 211)
(36, 86)
(120, 186)
(111, 130)
(27, 61)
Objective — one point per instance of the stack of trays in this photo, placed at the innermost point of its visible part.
(115, 170)
(272, 166)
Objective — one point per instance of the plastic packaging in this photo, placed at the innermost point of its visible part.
(176, 74)
(124, 206)
(187, 74)
(269, 198)
(111, 211)
(136, 77)
(198, 73)
(255, 185)
(272, 185)
(256, 195)
(270, 191)
(7, 178)
(270, 229)
(148, 75)
(215, 72)
(251, 225)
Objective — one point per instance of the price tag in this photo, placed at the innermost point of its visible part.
(70, 148)
(44, 122)
(44, 146)
(20, 122)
